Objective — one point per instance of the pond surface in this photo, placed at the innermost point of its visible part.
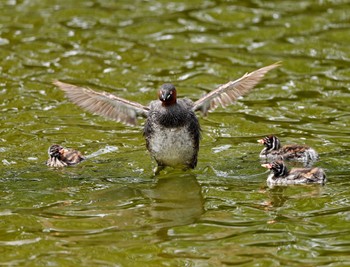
(110, 210)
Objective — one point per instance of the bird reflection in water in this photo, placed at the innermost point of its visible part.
(278, 197)
(176, 200)
(153, 206)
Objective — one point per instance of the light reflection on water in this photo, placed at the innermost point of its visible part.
(109, 210)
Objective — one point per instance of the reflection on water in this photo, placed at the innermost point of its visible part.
(279, 195)
(175, 201)
(168, 202)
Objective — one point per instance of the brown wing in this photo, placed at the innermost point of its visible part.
(228, 93)
(104, 104)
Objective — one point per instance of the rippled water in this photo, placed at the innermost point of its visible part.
(109, 210)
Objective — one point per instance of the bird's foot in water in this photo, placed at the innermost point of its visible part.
(158, 169)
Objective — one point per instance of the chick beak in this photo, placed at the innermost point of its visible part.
(267, 166)
(261, 141)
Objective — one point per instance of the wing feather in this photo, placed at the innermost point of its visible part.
(104, 104)
(228, 93)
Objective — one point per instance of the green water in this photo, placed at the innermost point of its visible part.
(109, 210)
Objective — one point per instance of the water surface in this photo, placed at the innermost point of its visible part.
(110, 210)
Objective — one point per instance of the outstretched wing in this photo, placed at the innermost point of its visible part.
(228, 93)
(104, 104)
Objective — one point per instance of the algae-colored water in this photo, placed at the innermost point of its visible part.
(109, 210)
